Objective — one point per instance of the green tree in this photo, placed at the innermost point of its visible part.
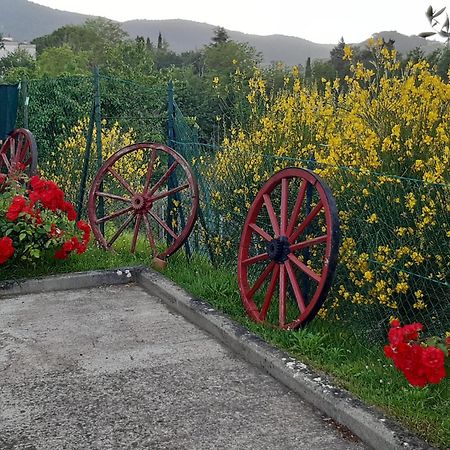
(308, 72)
(130, 60)
(220, 36)
(322, 70)
(95, 36)
(54, 62)
(341, 66)
(16, 65)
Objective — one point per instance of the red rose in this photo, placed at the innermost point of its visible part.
(61, 254)
(16, 207)
(395, 336)
(411, 331)
(70, 210)
(434, 376)
(6, 249)
(433, 357)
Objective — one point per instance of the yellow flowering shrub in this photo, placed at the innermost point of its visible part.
(65, 164)
(381, 139)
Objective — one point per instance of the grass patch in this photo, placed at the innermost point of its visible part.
(354, 365)
(94, 258)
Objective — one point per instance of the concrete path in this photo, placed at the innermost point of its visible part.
(112, 368)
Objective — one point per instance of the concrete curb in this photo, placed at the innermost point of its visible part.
(75, 280)
(371, 426)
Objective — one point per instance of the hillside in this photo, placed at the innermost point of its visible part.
(24, 20)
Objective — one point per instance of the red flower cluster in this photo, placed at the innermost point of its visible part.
(50, 196)
(74, 244)
(421, 364)
(41, 214)
(6, 249)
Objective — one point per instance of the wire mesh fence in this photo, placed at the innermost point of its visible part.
(80, 121)
(394, 255)
(395, 231)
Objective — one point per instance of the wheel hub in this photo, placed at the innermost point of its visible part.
(141, 203)
(278, 249)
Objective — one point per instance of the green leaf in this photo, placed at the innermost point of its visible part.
(429, 13)
(438, 13)
(427, 34)
(22, 236)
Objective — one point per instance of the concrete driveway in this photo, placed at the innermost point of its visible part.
(113, 368)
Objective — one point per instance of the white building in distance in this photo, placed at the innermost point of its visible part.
(10, 46)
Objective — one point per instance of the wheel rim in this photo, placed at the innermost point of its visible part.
(287, 260)
(137, 184)
(19, 153)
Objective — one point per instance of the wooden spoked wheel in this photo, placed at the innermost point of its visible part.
(144, 194)
(289, 249)
(19, 153)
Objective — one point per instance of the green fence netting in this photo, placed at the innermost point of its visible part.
(65, 113)
(394, 257)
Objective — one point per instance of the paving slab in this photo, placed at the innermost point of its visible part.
(112, 368)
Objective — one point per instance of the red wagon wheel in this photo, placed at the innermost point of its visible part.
(145, 194)
(19, 153)
(289, 249)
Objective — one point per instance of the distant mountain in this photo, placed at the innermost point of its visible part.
(184, 35)
(24, 20)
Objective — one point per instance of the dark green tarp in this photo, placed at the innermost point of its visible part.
(9, 96)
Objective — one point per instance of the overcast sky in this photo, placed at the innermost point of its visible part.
(323, 21)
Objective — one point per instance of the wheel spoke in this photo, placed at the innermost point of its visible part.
(303, 267)
(269, 293)
(150, 237)
(297, 207)
(163, 224)
(18, 148)
(261, 279)
(113, 196)
(149, 174)
(255, 259)
(284, 205)
(272, 215)
(293, 237)
(120, 230)
(260, 231)
(114, 215)
(23, 152)
(308, 243)
(121, 180)
(282, 299)
(137, 225)
(296, 288)
(167, 193)
(27, 162)
(7, 163)
(163, 178)
(12, 148)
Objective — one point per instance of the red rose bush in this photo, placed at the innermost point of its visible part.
(422, 362)
(35, 219)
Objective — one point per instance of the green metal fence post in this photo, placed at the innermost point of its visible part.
(172, 181)
(87, 157)
(98, 127)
